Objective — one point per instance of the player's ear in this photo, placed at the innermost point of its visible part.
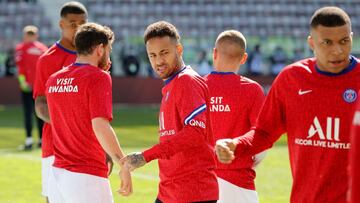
(215, 53)
(310, 41)
(179, 49)
(244, 58)
(99, 50)
(61, 24)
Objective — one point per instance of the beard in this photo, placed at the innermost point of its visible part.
(103, 63)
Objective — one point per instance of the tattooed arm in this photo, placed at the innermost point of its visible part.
(108, 140)
(134, 160)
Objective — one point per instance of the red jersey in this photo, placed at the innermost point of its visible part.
(235, 102)
(26, 57)
(354, 157)
(76, 95)
(51, 61)
(315, 108)
(185, 151)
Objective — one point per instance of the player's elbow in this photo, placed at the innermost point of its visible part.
(41, 109)
(99, 125)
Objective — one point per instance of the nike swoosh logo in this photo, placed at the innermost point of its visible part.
(301, 92)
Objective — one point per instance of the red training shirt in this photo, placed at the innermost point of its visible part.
(52, 60)
(354, 157)
(315, 108)
(26, 57)
(76, 95)
(185, 151)
(235, 102)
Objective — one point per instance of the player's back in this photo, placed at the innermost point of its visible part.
(54, 59)
(354, 157)
(235, 102)
(70, 101)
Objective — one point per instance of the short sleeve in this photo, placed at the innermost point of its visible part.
(41, 76)
(191, 102)
(100, 96)
(271, 118)
(19, 55)
(258, 100)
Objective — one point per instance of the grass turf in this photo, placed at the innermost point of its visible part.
(136, 127)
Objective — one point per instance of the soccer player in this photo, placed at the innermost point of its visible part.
(185, 155)
(235, 102)
(354, 157)
(27, 54)
(313, 101)
(61, 54)
(80, 107)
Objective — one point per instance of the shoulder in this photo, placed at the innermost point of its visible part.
(251, 84)
(302, 66)
(40, 45)
(96, 74)
(49, 52)
(189, 76)
(19, 46)
(297, 70)
(51, 55)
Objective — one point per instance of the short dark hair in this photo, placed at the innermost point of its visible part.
(330, 16)
(90, 35)
(232, 36)
(161, 29)
(72, 7)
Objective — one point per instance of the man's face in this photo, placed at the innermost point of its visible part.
(30, 37)
(331, 46)
(104, 62)
(164, 55)
(69, 25)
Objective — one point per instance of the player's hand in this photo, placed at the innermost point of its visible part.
(134, 160)
(225, 149)
(25, 87)
(109, 163)
(126, 182)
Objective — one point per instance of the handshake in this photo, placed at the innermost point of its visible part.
(224, 149)
(128, 164)
(133, 161)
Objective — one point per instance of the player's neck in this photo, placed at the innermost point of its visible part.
(333, 70)
(227, 69)
(181, 65)
(67, 44)
(89, 59)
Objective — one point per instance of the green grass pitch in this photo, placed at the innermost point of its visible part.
(136, 128)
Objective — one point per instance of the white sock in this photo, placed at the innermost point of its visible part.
(29, 141)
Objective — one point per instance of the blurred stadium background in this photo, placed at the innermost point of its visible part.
(278, 27)
(270, 23)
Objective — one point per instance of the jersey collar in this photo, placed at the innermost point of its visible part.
(80, 64)
(173, 76)
(222, 73)
(65, 49)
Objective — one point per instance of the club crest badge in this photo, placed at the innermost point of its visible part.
(349, 95)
